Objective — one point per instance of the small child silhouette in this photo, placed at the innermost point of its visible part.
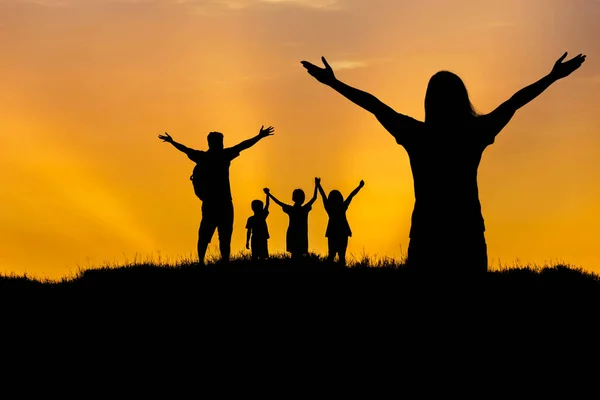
(338, 228)
(258, 232)
(297, 232)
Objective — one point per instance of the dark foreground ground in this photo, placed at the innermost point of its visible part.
(277, 313)
(310, 282)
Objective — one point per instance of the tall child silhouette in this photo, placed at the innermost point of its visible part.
(297, 232)
(258, 232)
(444, 152)
(338, 228)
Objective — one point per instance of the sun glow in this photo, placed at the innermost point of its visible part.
(88, 86)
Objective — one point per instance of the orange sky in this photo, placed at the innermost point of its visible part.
(87, 85)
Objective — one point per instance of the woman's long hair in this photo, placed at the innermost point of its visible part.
(447, 101)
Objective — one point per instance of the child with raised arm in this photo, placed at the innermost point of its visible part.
(258, 232)
(297, 232)
(338, 228)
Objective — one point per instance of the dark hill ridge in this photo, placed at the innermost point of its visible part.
(280, 304)
(241, 277)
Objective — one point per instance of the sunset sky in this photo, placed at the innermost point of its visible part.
(88, 85)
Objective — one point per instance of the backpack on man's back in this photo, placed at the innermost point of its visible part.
(198, 179)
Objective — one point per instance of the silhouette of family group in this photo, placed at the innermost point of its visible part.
(444, 152)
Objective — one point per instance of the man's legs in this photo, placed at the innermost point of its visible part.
(208, 224)
(225, 229)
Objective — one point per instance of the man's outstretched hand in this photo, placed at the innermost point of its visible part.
(564, 69)
(265, 132)
(266, 190)
(323, 75)
(166, 138)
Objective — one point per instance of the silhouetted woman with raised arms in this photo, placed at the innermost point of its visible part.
(447, 229)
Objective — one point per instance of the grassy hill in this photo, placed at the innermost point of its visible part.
(309, 305)
(280, 275)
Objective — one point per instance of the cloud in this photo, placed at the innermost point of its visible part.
(200, 6)
(214, 7)
(347, 64)
(45, 3)
(318, 4)
(499, 24)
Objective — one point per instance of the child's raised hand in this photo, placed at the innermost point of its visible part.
(266, 190)
(317, 181)
(362, 183)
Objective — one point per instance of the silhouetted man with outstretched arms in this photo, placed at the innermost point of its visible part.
(445, 150)
(217, 204)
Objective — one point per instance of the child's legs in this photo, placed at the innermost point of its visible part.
(343, 246)
(260, 249)
(337, 245)
(331, 249)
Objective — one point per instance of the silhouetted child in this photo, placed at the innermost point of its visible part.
(258, 232)
(297, 232)
(338, 228)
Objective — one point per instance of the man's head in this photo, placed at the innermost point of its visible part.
(215, 141)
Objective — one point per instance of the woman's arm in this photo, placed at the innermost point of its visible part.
(498, 118)
(397, 124)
